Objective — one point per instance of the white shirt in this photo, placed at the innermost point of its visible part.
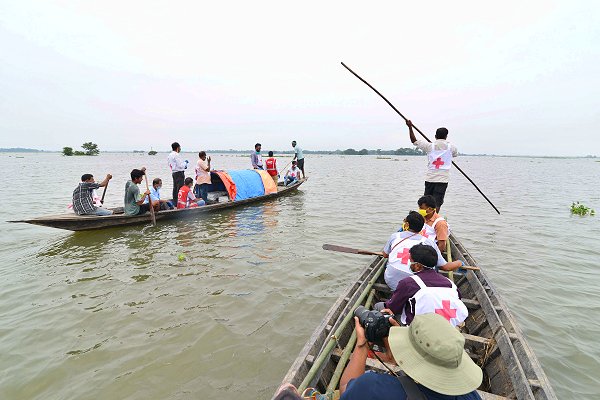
(175, 162)
(438, 175)
(294, 172)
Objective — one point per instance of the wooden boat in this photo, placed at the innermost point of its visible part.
(75, 222)
(493, 339)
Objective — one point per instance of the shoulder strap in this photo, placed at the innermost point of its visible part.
(410, 387)
(408, 237)
(419, 281)
(436, 221)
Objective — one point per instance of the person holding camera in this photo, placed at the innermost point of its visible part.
(425, 292)
(429, 351)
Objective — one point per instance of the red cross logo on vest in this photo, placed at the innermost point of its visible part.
(446, 311)
(438, 162)
(424, 233)
(403, 257)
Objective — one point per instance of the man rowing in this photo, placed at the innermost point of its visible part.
(83, 202)
(439, 154)
(397, 250)
(436, 227)
(426, 291)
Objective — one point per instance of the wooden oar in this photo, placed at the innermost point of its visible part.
(343, 249)
(422, 134)
(152, 216)
(104, 193)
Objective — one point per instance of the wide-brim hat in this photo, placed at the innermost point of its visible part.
(431, 351)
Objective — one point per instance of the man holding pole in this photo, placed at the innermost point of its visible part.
(439, 154)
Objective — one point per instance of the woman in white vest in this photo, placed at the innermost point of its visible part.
(398, 246)
(426, 291)
(439, 155)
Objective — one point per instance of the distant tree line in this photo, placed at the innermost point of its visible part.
(91, 149)
(404, 151)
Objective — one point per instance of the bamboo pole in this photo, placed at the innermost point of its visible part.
(422, 134)
(332, 339)
(449, 255)
(339, 369)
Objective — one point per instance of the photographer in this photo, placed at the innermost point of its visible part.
(430, 351)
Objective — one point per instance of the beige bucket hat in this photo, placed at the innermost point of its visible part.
(431, 352)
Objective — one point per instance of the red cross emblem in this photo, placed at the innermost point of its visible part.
(446, 311)
(424, 233)
(438, 162)
(404, 256)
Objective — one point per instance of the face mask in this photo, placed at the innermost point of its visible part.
(422, 212)
(159, 187)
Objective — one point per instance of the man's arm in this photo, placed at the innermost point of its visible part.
(141, 201)
(410, 131)
(254, 160)
(208, 168)
(105, 181)
(356, 366)
(401, 295)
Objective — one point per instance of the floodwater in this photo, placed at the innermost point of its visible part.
(115, 314)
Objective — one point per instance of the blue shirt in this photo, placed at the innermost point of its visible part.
(374, 386)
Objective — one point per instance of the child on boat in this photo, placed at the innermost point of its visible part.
(186, 198)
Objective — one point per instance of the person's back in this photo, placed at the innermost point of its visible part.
(132, 194)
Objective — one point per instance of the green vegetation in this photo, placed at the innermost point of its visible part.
(580, 209)
(91, 149)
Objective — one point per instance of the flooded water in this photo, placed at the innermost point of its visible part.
(116, 314)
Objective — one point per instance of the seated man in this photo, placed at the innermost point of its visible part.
(431, 352)
(83, 203)
(436, 227)
(398, 246)
(186, 198)
(293, 174)
(426, 291)
(133, 203)
(157, 202)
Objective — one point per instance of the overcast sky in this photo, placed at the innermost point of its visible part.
(510, 77)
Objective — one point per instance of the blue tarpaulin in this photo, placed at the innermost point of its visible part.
(248, 184)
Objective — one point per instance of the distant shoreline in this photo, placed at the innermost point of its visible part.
(19, 150)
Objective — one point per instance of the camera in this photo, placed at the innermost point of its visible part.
(376, 324)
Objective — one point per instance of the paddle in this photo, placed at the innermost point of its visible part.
(422, 134)
(152, 216)
(343, 249)
(104, 193)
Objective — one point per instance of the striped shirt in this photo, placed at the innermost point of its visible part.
(82, 198)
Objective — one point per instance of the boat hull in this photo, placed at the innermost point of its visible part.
(75, 222)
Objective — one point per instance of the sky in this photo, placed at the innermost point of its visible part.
(511, 77)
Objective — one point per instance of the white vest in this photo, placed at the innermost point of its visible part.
(429, 230)
(440, 159)
(440, 300)
(398, 265)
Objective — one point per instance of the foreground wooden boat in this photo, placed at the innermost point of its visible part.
(75, 222)
(493, 339)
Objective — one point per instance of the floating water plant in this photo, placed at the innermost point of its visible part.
(580, 209)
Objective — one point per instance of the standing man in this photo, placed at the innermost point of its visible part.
(256, 158)
(177, 165)
(202, 176)
(83, 203)
(299, 155)
(439, 154)
(271, 165)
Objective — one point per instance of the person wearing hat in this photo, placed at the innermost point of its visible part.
(429, 351)
(292, 175)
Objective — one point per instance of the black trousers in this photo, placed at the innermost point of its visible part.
(178, 178)
(437, 190)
